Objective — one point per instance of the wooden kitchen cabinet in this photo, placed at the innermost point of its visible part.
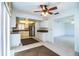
(24, 34)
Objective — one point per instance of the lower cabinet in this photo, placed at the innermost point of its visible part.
(24, 34)
(15, 40)
(43, 36)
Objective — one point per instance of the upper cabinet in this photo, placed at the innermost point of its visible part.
(13, 20)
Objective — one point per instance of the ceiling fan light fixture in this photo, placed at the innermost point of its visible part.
(44, 13)
(47, 11)
(43, 8)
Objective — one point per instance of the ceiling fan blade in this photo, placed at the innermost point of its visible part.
(37, 11)
(50, 12)
(43, 7)
(53, 8)
(56, 13)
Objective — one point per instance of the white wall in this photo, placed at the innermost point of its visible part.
(58, 29)
(77, 29)
(62, 27)
(44, 24)
(36, 28)
(69, 29)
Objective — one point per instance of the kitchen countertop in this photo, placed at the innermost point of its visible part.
(17, 30)
(42, 31)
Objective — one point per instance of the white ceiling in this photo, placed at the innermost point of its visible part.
(65, 19)
(30, 7)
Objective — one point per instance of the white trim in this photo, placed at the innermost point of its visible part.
(5, 31)
(4, 37)
(8, 35)
(0, 29)
(7, 8)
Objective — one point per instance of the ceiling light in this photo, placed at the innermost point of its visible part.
(21, 21)
(31, 22)
(44, 13)
(43, 8)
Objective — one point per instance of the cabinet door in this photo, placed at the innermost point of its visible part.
(13, 20)
(15, 40)
(24, 34)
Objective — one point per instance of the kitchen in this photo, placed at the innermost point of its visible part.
(28, 28)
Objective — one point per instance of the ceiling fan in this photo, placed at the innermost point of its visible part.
(44, 10)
